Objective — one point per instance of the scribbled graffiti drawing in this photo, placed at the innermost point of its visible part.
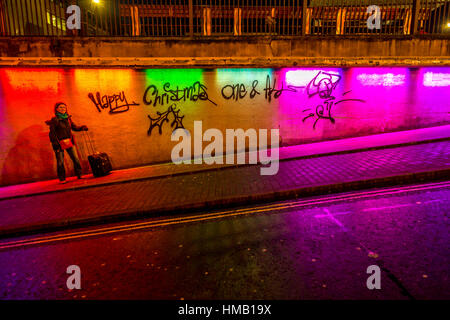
(164, 117)
(321, 112)
(323, 85)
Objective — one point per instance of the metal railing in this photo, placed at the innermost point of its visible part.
(188, 18)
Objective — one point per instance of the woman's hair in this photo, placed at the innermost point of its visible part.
(57, 105)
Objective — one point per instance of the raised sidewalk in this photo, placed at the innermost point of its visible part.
(332, 166)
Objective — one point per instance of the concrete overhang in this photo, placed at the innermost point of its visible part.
(226, 51)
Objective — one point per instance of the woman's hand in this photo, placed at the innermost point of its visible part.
(84, 128)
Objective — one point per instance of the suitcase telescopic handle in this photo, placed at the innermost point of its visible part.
(87, 138)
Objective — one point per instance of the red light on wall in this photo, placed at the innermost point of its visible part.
(32, 79)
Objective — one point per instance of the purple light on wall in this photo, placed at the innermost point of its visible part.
(432, 79)
(433, 96)
(384, 79)
(301, 77)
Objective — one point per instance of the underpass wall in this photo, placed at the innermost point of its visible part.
(131, 112)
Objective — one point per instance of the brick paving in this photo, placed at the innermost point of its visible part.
(285, 153)
(228, 186)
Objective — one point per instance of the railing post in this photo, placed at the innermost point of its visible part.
(206, 21)
(407, 22)
(135, 25)
(415, 16)
(305, 26)
(340, 21)
(191, 18)
(2, 20)
(237, 22)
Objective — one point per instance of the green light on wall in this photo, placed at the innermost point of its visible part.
(175, 77)
(246, 76)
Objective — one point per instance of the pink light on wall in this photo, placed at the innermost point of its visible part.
(431, 79)
(302, 77)
(384, 79)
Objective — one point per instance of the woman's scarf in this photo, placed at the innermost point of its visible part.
(62, 115)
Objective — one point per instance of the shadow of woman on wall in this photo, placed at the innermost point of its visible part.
(31, 159)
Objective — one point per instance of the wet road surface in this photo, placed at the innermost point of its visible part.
(315, 248)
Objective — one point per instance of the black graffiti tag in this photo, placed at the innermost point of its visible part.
(162, 117)
(116, 103)
(154, 96)
(254, 91)
(239, 91)
(321, 112)
(323, 85)
(234, 91)
(270, 89)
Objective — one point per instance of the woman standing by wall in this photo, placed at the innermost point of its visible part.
(61, 137)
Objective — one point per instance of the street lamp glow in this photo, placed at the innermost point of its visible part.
(96, 1)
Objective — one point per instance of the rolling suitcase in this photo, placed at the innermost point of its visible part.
(100, 164)
(99, 161)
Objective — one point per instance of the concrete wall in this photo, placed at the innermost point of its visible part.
(306, 104)
(343, 46)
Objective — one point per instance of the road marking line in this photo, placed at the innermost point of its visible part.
(329, 215)
(334, 214)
